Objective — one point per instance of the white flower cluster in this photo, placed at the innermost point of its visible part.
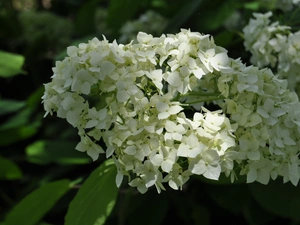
(149, 22)
(136, 99)
(275, 46)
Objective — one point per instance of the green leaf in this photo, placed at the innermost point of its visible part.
(12, 135)
(10, 64)
(224, 39)
(61, 152)
(278, 198)
(255, 214)
(34, 100)
(121, 11)
(9, 170)
(208, 21)
(252, 5)
(224, 195)
(85, 19)
(17, 120)
(10, 106)
(34, 206)
(137, 210)
(201, 215)
(96, 198)
(183, 15)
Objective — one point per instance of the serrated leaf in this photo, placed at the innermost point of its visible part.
(96, 197)
(10, 64)
(31, 209)
(278, 198)
(9, 170)
(9, 106)
(61, 152)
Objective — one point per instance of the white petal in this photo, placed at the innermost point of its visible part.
(119, 179)
(212, 172)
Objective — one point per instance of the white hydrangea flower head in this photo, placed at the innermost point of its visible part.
(261, 38)
(274, 46)
(137, 98)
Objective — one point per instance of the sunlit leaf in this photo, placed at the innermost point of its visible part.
(95, 198)
(10, 64)
(62, 152)
(9, 170)
(252, 5)
(34, 206)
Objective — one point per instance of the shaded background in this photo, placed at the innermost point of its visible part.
(35, 150)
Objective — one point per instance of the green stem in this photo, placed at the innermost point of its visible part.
(200, 94)
(203, 97)
(204, 100)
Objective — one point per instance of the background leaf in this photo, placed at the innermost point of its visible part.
(34, 206)
(10, 106)
(278, 198)
(10, 64)
(62, 152)
(9, 170)
(121, 11)
(85, 22)
(12, 135)
(138, 207)
(234, 200)
(222, 10)
(183, 15)
(95, 198)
